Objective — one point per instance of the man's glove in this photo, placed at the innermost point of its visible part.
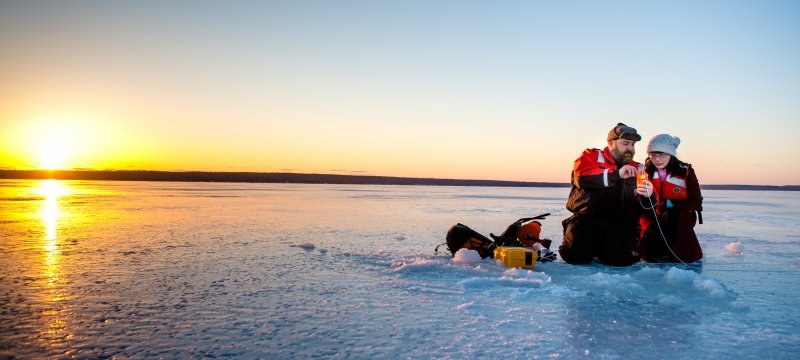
(549, 256)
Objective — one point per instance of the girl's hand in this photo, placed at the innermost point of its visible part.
(645, 189)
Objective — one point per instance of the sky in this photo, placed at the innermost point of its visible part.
(503, 90)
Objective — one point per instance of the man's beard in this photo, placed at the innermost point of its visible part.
(627, 157)
(623, 158)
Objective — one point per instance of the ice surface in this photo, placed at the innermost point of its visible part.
(283, 271)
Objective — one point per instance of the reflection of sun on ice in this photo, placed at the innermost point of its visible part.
(51, 190)
(54, 310)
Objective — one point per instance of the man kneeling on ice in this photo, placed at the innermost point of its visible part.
(604, 204)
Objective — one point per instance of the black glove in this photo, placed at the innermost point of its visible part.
(550, 256)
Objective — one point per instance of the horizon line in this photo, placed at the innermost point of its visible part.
(297, 177)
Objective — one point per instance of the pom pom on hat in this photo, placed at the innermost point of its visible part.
(664, 143)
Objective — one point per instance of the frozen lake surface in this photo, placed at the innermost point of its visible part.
(286, 271)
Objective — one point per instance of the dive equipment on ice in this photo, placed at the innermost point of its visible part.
(523, 233)
(516, 256)
(518, 234)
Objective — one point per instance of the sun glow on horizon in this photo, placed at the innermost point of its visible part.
(52, 155)
(57, 144)
(48, 142)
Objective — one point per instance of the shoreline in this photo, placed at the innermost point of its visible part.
(301, 178)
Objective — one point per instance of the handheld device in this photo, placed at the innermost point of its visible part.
(641, 178)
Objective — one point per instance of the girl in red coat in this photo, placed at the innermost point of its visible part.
(679, 201)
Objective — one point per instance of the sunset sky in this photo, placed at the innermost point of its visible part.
(506, 90)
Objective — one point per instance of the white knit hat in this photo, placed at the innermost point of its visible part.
(664, 143)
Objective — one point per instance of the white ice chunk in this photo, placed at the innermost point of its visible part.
(734, 248)
(467, 256)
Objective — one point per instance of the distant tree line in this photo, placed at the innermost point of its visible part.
(255, 177)
(277, 177)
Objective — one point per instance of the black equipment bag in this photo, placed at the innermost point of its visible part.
(460, 236)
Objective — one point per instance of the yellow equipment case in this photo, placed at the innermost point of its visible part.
(516, 256)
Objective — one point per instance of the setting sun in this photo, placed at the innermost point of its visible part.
(52, 155)
(49, 142)
(56, 145)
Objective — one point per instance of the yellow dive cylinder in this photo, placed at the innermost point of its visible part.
(515, 256)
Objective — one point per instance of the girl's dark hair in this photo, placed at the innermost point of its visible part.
(673, 166)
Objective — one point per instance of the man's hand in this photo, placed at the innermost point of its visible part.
(627, 171)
